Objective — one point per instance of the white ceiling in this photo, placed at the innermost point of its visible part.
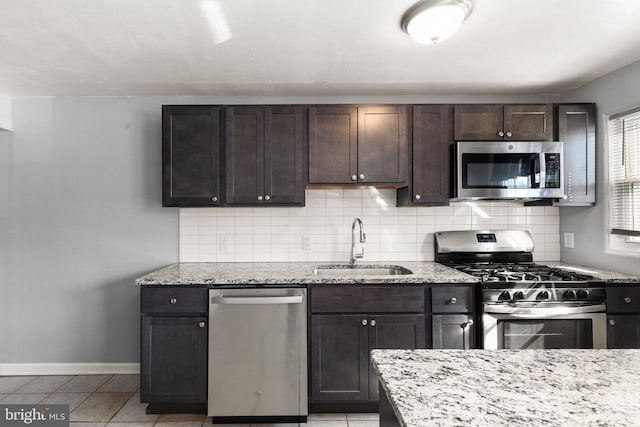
(308, 47)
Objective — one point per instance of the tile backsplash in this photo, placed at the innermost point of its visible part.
(321, 231)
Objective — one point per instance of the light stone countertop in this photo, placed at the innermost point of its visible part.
(511, 387)
(611, 277)
(272, 273)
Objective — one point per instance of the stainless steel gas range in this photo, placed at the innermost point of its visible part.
(526, 305)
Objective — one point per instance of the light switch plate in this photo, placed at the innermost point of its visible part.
(568, 240)
(307, 243)
(225, 244)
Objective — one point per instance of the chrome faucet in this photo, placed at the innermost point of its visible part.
(357, 252)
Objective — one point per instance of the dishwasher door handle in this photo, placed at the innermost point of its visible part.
(295, 299)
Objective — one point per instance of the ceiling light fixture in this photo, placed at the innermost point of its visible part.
(431, 21)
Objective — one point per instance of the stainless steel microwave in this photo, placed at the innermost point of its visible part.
(508, 169)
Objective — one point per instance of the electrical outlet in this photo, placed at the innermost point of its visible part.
(568, 240)
(307, 243)
(225, 244)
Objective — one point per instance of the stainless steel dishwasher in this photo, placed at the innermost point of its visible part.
(258, 355)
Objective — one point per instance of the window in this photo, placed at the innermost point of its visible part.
(624, 175)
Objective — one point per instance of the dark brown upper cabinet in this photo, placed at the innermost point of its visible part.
(264, 155)
(576, 124)
(358, 145)
(430, 144)
(496, 122)
(191, 155)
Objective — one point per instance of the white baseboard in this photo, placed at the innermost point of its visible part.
(68, 368)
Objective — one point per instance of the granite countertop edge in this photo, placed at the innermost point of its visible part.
(301, 273)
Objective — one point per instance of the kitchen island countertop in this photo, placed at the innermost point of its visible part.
(511, 387)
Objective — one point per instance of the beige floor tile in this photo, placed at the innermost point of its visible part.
(134, 411)
(85, 383)
(27, 398)
(12, 383)
(100, 407)
(326, 423)
(129, 424)
(367, 416)
(276, 425)
(71, 399)
(45, 384)
(178, 424)
(73, 424)
(364, 423)
(121, 383)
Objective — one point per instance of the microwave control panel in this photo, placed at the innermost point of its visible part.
(552, 170)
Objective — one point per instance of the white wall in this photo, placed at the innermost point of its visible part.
(393, 234)
(613, 93)
(6, 123)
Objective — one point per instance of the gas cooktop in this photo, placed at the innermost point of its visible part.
(503, 272)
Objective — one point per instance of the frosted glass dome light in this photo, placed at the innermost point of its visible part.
(432, 21)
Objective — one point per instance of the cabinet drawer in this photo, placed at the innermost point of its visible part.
(367, 299)
(173, 300)
(454, 299)
(623, 299)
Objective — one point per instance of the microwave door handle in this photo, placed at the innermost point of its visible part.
(537, 312)
(543, 171)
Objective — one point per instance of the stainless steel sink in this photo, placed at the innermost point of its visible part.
(360, 270)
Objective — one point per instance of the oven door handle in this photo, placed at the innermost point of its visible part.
(537, 312)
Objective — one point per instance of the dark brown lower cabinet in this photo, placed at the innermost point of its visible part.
(340, 347)
(623, 331)
(453, 331)
(173, 359)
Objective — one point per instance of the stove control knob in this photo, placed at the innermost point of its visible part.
(518, 295)
(583, 294)
(542, 295)
(570, 294)
(504, 296)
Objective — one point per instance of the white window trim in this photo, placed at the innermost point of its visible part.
(615, 244)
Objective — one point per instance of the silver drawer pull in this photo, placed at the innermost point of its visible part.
(364, 322)
(453, 300)
(612, 322)
(627, 300)
(173, 301)
(373, 322)
(202, 324)
(263, 300)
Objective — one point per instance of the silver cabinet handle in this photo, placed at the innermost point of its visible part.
(612, 322)
(354, 178)
(500, 133)
(259, 198)
(454, 300)
(509, 134)
(173, 301)
(361, 176)
(214, 199)
(202, 324)
(467, 324)
(373, 322)
(364, 322)
(294, 299)
(627, 300)
(417, 197)
(267, 197)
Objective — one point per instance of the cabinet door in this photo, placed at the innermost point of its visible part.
(339, 357)
(528, 122)
(577, 129)
(402, 331)
(452, 331)
(245, 155)
(190, 155)
(382, 144)
(623, 331)
(429, 184)
(478, 122)
(173, 355)
(284, 179)
(333, 132)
